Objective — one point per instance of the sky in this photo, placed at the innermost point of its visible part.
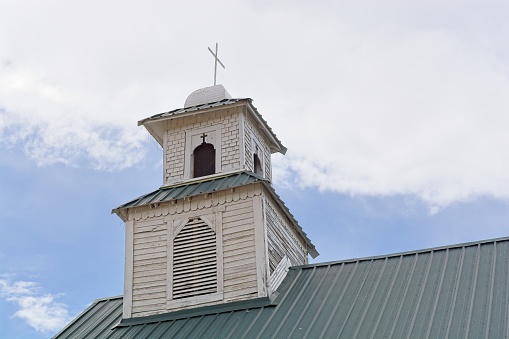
(395, 115)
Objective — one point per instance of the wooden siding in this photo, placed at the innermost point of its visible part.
(282, 239)
(239, 258)
(238, 247)
(149, 266)
(200, 202)
(249, 131)
(175, 155)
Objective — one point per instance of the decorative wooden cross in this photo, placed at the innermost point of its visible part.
(216, 61)
(203, 137)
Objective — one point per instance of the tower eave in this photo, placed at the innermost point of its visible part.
(228, 181)
(156, 128)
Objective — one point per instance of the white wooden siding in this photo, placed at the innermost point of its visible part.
(239, 258)
(149, 266)
(279, 273)
(282, 238)
(249, 132)
(175, 150)
(233, 213)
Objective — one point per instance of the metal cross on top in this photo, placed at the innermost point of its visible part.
(203, 137)
(216, 61)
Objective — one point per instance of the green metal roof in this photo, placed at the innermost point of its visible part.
(184, 190)
(459, 291)
(210, 185)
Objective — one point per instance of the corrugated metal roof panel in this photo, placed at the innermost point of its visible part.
(194, 188)
(456, 291)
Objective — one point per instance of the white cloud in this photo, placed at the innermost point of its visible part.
(38, 309)
(421, 114)
(375, 98)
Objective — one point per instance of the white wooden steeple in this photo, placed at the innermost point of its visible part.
(233, 127)
(215, 231)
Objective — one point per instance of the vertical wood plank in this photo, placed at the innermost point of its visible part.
(219, 247)
(242, 149)
(260, 245)
(165, 164)
(170, 235)
(128, 269)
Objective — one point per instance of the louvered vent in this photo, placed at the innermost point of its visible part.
(194, 261)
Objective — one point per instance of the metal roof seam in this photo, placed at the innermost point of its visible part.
(407, 286)
(476, 274)
(359, 290)
(490, 301)
(421, 293)
(283, 298)
(437, 294)
(260, 311)
(309, 301)
(373, 292)
(324, 299)
(460, 269)
(384, 305)
(292, 305)
(338, 301)
(507, 308)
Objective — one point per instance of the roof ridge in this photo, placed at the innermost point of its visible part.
(397, 254)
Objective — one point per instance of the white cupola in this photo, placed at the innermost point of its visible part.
(215, 232)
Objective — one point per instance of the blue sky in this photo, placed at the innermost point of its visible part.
(394, 115)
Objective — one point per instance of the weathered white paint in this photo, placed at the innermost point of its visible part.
(183, 131)
(282, 237)
(240, 281)
(256, 239)
(242, 263)
(234, 143)
(252, 137)
(262, 273)
(242, 132)
(165, 160)
(279, 273)
(128, 270)
(149, 263)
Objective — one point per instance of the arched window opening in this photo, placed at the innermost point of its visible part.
(257, 164)
(204, 160)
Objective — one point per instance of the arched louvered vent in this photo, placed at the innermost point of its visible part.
(194, 261)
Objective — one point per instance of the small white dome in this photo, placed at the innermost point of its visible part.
(208, 94)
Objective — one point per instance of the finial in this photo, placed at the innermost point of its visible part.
(215, 63)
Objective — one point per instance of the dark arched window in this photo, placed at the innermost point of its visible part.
(204, 159)
(257, 164)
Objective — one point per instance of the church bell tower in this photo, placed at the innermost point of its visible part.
(216, 231)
